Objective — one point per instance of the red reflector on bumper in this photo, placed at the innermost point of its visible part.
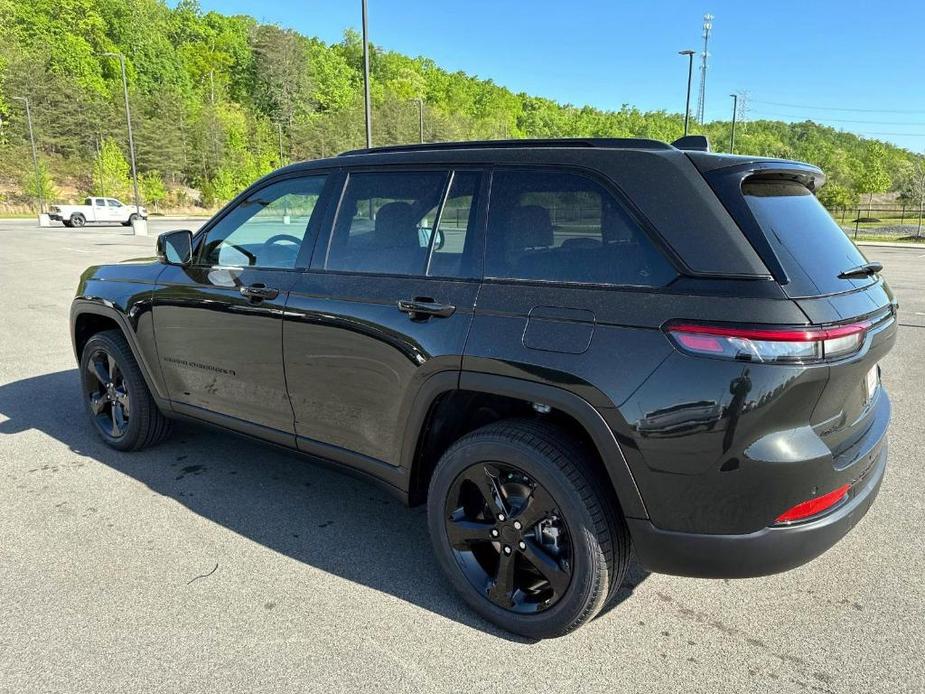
(811, 507)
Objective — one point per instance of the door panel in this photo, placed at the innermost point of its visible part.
(219, 322)
(388, 304)
(354, 361)
(219, 350)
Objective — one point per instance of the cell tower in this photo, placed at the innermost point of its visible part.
(702, 97)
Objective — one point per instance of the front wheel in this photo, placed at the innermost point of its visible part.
(116, 396)
(524, 530)
(78, 220)
(131, 220)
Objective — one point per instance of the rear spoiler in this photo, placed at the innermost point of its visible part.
(692, 143)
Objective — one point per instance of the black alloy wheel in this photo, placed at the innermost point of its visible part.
(509, 537)
(108, 394)
(116, 395)
(525, 525)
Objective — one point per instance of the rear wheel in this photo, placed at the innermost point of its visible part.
(78, 220)
(116, 396)
(522, 532)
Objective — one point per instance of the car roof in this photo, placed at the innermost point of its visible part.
(526, 150)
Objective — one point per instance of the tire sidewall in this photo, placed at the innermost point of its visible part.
(78, 220)
(135, 389)
(587, 558)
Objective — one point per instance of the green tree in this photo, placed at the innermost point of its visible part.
(110, 171)
(871, 177)
(837, 197)
(152, 188)
(37, 184)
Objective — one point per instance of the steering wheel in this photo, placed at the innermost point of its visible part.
(283, 237)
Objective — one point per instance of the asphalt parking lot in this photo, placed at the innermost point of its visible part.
(211, 563)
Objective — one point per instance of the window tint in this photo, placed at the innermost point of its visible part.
(564, 227)
(812, 248)
(453, 253)
(385, 222)
(267, 228)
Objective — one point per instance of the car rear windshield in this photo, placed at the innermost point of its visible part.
(812, 248)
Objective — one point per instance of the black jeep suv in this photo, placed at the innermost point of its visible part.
(565, 348)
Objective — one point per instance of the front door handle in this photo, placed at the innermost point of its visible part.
(421, 308)
(259, 292)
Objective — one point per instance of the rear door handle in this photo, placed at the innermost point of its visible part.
(425, 307)
(258, 292)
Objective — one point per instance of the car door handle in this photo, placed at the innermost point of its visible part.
(258, 292)
(425, 307)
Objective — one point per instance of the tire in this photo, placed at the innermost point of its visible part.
(131, 218)
(78, 220)
(123, 414)
(592, 544)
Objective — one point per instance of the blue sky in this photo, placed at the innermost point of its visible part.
(854, 65)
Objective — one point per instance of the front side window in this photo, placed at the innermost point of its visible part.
(267, 228)
(115, 203)
(559, 226)
(385, 222)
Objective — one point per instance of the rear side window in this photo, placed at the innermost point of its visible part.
(385, 222)
(812, 248)
(559, 226)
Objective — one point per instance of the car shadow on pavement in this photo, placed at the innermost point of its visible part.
(326, 519)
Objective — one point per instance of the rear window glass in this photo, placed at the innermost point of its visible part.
(559, 226)
(812, 248)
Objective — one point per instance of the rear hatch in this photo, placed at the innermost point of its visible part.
(828, 277)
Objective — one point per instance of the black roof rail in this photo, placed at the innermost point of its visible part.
(601, 142)
(692, 143)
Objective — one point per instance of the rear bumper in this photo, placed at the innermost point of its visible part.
(767, 551)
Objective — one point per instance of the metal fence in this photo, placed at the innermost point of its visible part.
(894, 220)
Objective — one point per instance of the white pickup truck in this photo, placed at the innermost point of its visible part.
(96, 211)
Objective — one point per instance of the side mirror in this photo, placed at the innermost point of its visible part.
(175, 247)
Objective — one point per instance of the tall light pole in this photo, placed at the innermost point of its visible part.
(732, 137)
(128, 120)
(369, 117)
(35, 159)
(690, 73)
(420, 119)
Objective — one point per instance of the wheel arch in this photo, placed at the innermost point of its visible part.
(89, 318)
(448, 407)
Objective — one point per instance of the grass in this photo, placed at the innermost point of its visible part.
(892, 238)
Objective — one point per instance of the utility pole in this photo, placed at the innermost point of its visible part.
(279, 129)
(732, 137)
(701, 100)
(420, 119)
(128, 120)
(35, 159)
(690, 73)
(369, 118)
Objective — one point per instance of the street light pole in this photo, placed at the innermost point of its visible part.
(128, 120)
(420, 119)
(369, 120)
(35, 160)
(690, 72)
(732, 137)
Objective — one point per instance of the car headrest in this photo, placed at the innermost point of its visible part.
(529, 226)
(395, 225)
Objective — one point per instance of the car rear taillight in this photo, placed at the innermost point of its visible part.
(812, 507)
(783, 345)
